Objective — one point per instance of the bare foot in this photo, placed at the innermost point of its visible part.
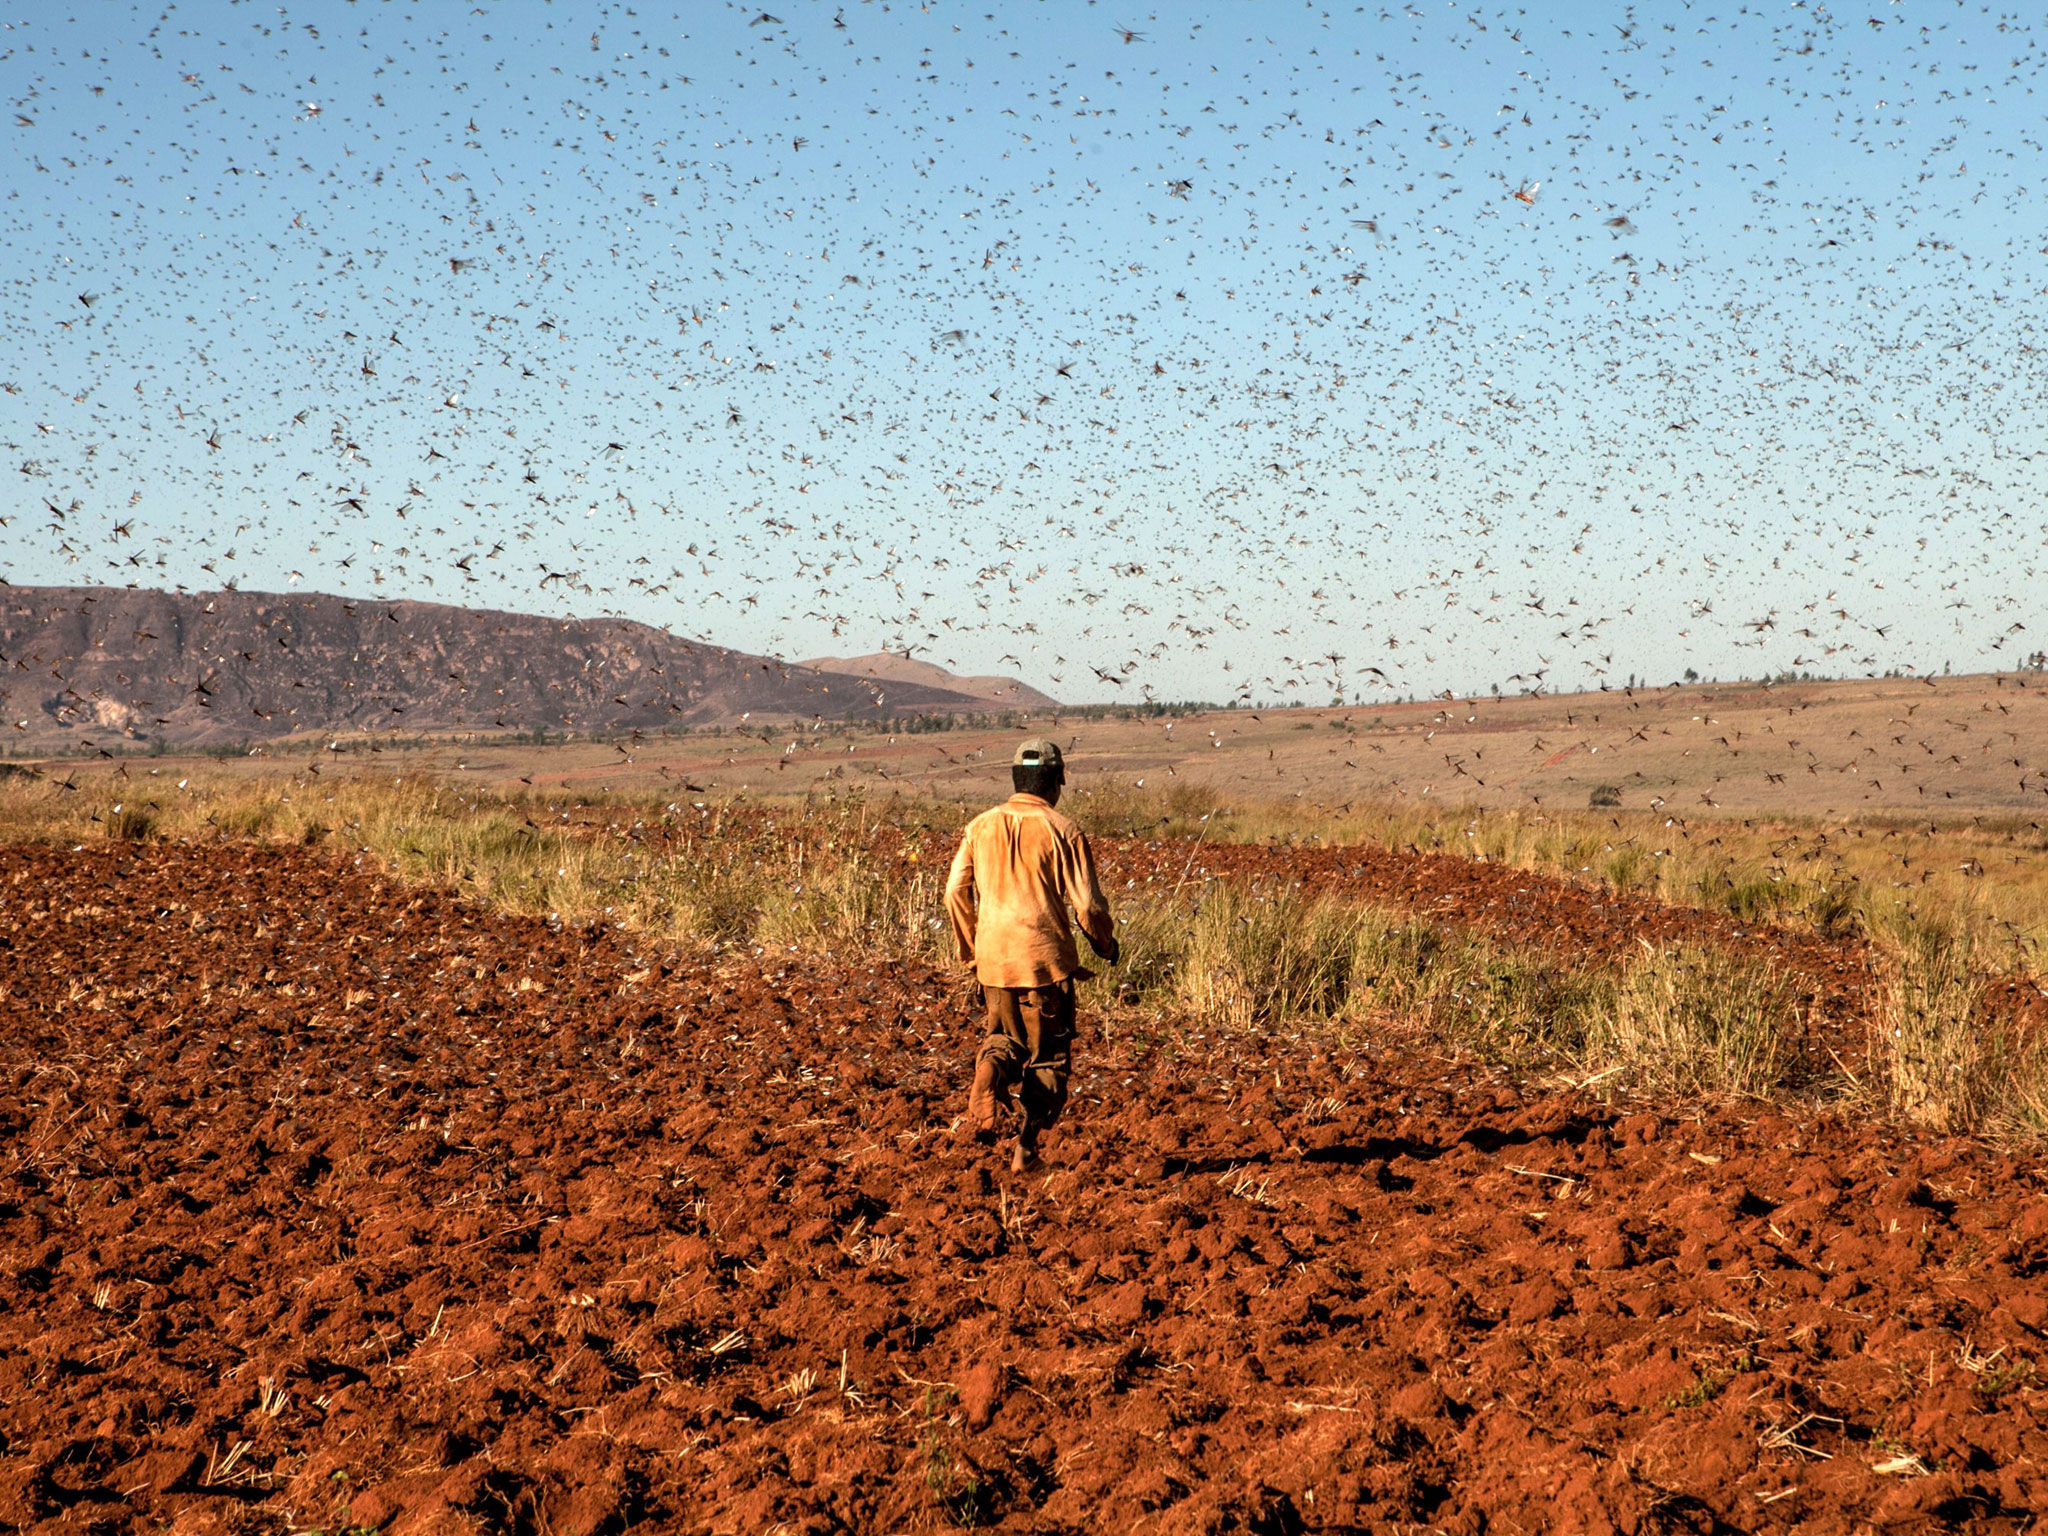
(1024, 1158)
(982, 1100)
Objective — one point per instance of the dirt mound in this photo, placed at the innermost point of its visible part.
(326, 1202)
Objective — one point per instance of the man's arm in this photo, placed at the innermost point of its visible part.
(1084, 894)
(960, 902)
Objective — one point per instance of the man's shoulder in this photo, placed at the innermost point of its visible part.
(980, 823)
(1031, 805)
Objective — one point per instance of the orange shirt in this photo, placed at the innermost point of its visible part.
(1020, 866)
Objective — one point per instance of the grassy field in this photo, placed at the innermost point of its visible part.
(1892, 748)
(1905, 748)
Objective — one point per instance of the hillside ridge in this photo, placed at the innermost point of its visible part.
(203, 669)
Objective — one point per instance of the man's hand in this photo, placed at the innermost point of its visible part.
(977, 994)
(1109, 951)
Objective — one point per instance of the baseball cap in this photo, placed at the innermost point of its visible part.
(1037, 751)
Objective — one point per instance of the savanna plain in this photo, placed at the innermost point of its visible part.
(1619, 1113)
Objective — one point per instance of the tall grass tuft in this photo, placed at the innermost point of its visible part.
(1250, 956)
(129, 824)
(1939, 1069)
(1499, 1003)
(1943, 1059)
(850, 906)
(1693, 1021)
(1151, 935)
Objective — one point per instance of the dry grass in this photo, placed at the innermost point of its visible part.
(805, 880)
(1114, 808)
(1697, 1022)
(1684, 1021)
(1255, 957)
(1836, 878)
(1941, 1061)
(1245, 957)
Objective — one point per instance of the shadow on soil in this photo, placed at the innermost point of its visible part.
(1386, 1149)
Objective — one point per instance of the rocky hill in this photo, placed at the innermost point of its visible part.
(106, 665)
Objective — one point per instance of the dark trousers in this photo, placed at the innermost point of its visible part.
(1030, 1042)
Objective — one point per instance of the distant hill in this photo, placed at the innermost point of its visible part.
(105, 664)
(895, 667)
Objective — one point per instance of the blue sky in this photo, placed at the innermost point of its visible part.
(1194, 352)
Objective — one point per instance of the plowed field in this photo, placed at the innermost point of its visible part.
(327, 1203)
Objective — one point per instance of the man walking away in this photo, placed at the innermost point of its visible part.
(1019, 868)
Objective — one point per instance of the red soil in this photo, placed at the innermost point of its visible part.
(326, 1202)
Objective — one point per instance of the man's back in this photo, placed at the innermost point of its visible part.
(1020, 866)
